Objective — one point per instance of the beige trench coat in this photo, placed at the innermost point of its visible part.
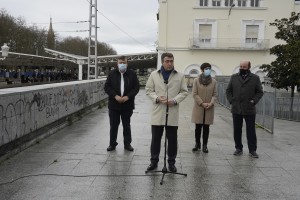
(177, 89)
(203, 94)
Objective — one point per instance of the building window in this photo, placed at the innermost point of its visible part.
(205, 33)
(203, 2)
(216, 2)
(251, 33)
(242, 3)
(255, 3)
(194, 73)
(228, 3)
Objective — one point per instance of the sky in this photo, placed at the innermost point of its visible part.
(129, 26)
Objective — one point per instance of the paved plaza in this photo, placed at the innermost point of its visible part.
(73, 163)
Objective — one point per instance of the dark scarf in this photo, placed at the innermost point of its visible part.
(165, 74)
(204, 80)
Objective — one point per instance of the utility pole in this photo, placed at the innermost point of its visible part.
(92, 54)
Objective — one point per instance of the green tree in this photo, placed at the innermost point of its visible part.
(18, 36)
(284, 72)
(79, 46)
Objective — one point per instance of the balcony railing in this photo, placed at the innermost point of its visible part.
(229, 44)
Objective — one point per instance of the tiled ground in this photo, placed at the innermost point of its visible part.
(74, 163)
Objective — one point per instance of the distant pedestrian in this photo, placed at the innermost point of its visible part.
(122, 86)
(204, 93)
(243, 92)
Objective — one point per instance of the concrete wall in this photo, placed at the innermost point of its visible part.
(26, 110)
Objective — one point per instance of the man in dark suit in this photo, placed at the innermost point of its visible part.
(243, 92)
(122, 86)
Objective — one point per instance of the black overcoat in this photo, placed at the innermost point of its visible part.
(241, 91)
(113, 87)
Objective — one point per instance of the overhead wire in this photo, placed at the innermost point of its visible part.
(76, 22)
(120, 28)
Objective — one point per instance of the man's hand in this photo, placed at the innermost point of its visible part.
(171, 102)
(125, 98)
(162, 99)
(119, 99)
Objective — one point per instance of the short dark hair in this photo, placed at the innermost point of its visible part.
(205, 65)
(170, 55)
(122, 58)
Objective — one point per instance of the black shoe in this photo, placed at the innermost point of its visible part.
(172, 168)
(111, 148)
(204, 149)
(128, 147)
(238, 152)
(197, 146)
(152, 166)
(253, 154)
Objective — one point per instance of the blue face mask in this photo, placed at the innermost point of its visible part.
(122, 67)
(207, 72)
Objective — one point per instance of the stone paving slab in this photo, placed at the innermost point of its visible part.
(74, 164)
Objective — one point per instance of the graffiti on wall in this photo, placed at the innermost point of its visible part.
(26, 112)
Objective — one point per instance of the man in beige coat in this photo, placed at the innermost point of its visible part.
(165, 86)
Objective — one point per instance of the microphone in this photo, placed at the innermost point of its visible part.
(166, 81)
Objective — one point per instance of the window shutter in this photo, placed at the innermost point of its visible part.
(252, 31)
(205, 31)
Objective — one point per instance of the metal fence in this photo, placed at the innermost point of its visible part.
(284, 110)
(265, 111)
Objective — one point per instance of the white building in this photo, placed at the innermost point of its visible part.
(221, 32)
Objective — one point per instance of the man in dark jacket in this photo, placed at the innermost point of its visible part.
(122, 86)
(243, 93)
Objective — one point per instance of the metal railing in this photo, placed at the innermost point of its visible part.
(285, 109)
(228, 44)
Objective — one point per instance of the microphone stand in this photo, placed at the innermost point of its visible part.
(164, 170)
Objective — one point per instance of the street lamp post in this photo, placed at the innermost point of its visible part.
(5, 50)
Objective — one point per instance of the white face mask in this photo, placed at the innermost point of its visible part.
(207, 72)
(122, 67)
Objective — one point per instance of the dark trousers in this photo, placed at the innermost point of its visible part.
(171, 134)
(198, 133)
(250, 131)
(114, 120)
